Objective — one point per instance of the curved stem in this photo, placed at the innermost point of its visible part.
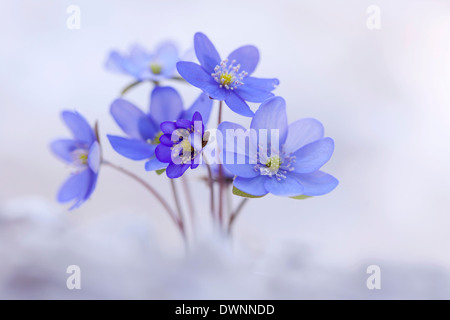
(236, 213)
(158, 196)
(177, 200)
(131, 85)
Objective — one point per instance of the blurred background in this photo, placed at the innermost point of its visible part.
(382, 94)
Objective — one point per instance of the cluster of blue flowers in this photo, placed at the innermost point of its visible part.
(272, 157)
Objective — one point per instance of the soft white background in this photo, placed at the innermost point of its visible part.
(382, 95)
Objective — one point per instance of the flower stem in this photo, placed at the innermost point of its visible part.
(173, 216)
(190, 203)
(220, 175)
(177, 201)
(235, 214)
(131, 85)
(211, 189)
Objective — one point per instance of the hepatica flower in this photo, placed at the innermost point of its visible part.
(181, 145)
(143, 129)
(82, 153)
(143, 65)
(288, 167)
(229, 79)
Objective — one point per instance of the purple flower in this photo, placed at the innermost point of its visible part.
(181, 145)
(83, 154)
(289, 164)
(143, 65)
(228, 80)
(142, 129)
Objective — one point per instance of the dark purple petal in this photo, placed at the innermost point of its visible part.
(163, 153)
(174, 171)
(183, 123)
(168, 127)
(165, 104)
(80, 128)
(247, 57)
(238, 105)
(205, 51)
(132, 148)
(166, 140)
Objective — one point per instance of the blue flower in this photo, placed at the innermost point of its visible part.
(83, 154)
(143, 129)
(289, 164)
(181, 145)
(227, 80)
(143, 65)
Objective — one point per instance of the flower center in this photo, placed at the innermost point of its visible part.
(228, 75)
(80, 158)
(276, 165)
(156, 68)
(155, 140)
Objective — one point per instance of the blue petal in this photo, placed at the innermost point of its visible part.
(165, 104)
(287, 187)
(261, 84)
(253, 186)
(166, 140)
(63, 149)
(313, 156)
(80, 128)
(167, 55)
(271, 115)
(183, 124)
(316, 183)
(75, 187)
(133, 121)
(91, 187)
(167, 127)
(206, 53)
(252, 94)
(154, 164)
(302, 132)
(239, 165)
(198, 77)
(131, 148)
(94, 157)
(227, 141)
(238, 105)
(115, 62)
(203, 104)
(163, 153)
(247, 57)
(174, 171)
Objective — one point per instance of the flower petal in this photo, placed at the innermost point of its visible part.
(247, 57)
(238, 105)
(80, 128)
(287, 187)
(203, 105)
(165, 104)
(251, 94)
(63, 149)
(167, 127)
(239, 165)
(313, 156)
(167, 55)
(115, 62)
(94, 157)
(302, 132)
(174, 171)
(75, 187)
(154, 164)
(205, 51)
(253, 186)
(132, 148)
(198, 77)
(316, 183)
(133, 121)
(163, 153)
(271, 115)
(262, 84)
